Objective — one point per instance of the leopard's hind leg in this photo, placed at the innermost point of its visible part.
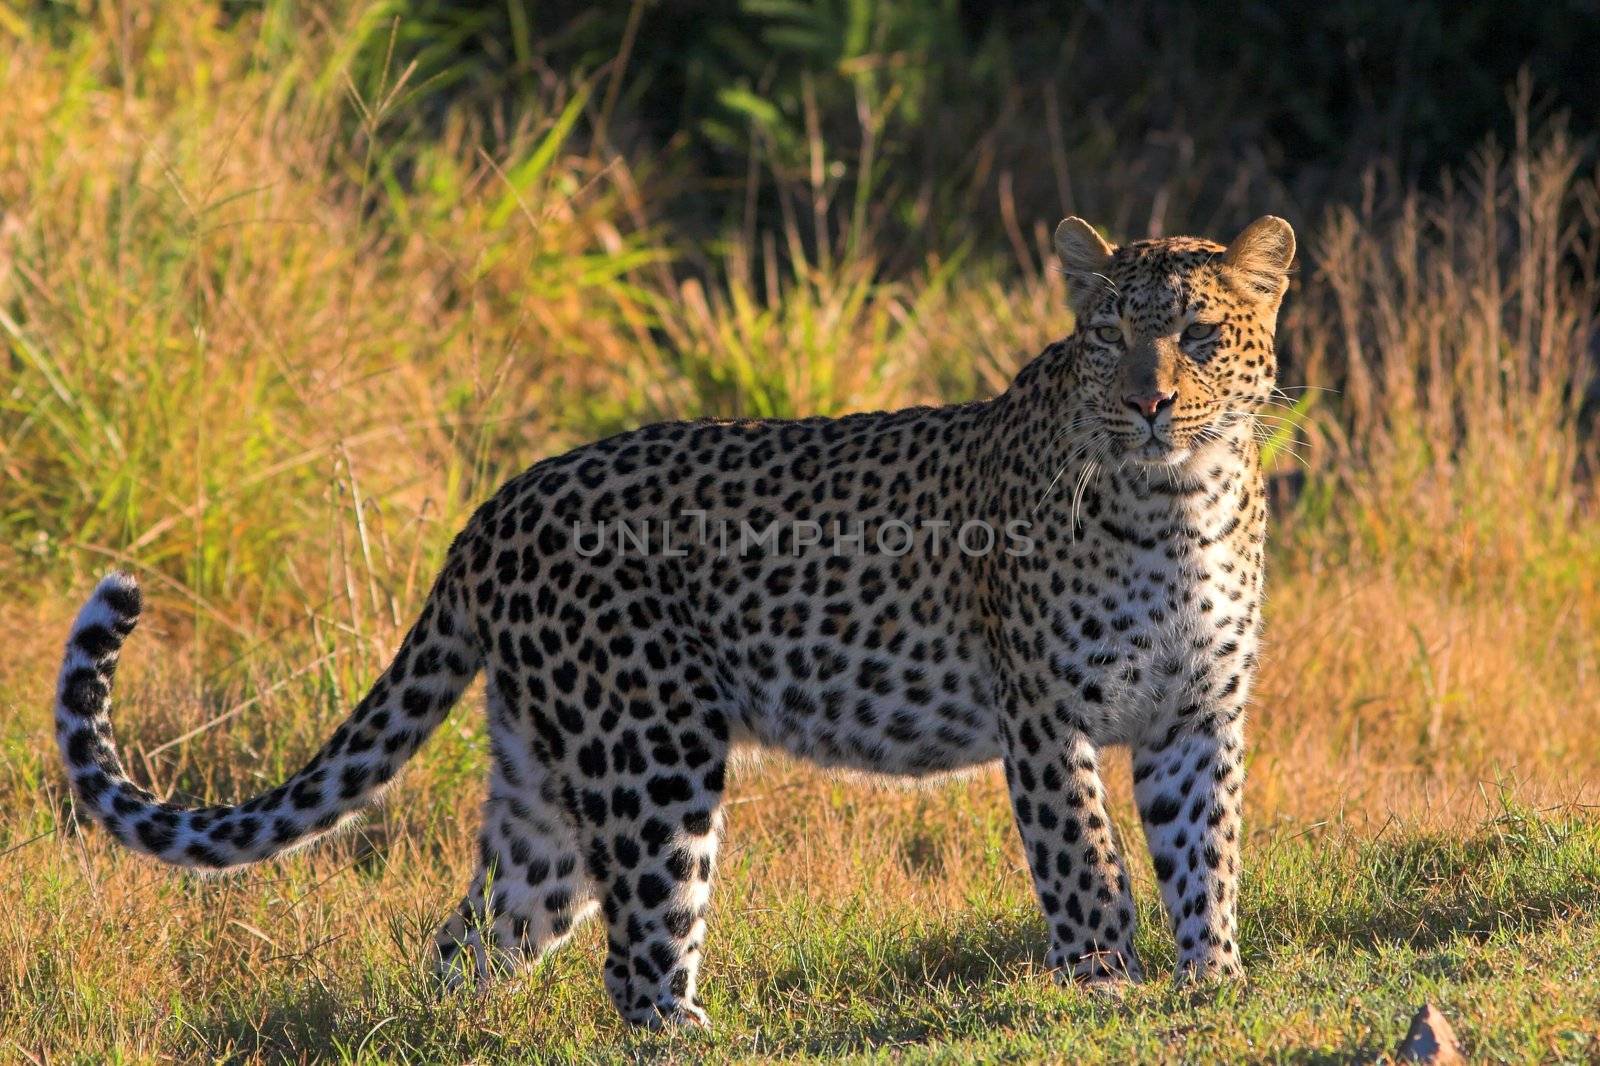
(650, 798)
(530, 888)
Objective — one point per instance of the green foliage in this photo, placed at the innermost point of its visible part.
(929, 124)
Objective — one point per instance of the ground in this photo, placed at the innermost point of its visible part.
(855, 922)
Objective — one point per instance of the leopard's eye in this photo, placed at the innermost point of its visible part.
(1108, 334)
(1200, 331)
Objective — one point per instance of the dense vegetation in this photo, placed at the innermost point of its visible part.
(285, 290)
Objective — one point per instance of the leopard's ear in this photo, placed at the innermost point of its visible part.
(1084, 255)
(1258, 259)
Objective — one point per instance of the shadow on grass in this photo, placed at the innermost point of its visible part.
(969, 977)
(1513, 874)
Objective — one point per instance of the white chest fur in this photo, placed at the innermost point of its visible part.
(1159, 619)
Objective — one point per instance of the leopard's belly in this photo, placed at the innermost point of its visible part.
(883, 712)
(894, 685)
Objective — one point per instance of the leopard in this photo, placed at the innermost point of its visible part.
(1072, 565)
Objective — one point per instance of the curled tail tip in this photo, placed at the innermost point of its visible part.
(102, 625)
(109, 615)
(119, 591)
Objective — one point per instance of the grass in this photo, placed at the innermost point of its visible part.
(852, 924)
(267, 338)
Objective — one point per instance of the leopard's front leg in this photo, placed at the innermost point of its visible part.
(1189, 786)
(1060, 808)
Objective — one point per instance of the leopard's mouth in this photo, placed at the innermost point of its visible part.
(1148, 446)
(1156, 451)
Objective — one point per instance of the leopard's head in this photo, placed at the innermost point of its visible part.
(1174, 337)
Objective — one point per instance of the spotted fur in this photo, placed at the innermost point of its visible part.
(619, 681)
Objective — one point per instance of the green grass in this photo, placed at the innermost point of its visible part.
(315, 958)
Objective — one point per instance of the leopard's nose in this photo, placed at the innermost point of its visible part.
(1150, 404)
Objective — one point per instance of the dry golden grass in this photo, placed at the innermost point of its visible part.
(267, 345)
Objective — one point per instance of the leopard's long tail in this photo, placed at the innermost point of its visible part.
(435, 663)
